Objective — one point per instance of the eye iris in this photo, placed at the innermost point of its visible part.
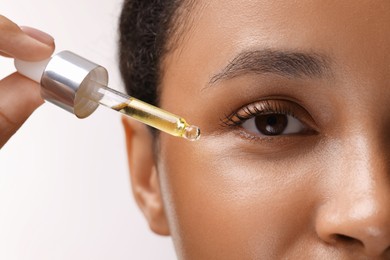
(271, 124)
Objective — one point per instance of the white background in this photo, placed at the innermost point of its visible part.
(64, 184)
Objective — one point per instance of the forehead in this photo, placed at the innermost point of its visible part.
(287, 17)
(292, 24)
(354, 34)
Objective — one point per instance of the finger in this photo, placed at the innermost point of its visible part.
(4, 54)
(19, 97)
(31, 45)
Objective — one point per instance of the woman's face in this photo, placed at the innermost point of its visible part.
(293, 100)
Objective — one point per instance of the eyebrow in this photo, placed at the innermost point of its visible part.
(283, 63)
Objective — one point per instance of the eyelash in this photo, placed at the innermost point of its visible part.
(264, 107)
(252, 110)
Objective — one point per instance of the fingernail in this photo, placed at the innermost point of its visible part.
(38, 35)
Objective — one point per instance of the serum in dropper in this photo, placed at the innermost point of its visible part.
(79, 86)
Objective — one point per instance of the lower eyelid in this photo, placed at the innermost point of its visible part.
(275, 148)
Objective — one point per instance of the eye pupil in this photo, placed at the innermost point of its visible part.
(272, 120)
(271, 124)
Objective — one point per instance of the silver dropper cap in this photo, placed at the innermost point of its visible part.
(67, 80)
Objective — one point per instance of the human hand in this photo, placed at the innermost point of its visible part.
(19, 96)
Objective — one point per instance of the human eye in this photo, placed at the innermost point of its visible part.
(271, 118)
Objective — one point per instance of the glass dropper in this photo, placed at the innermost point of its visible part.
(79, 86)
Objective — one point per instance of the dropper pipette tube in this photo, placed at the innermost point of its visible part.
(144, 112)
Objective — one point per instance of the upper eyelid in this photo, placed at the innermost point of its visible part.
(245, 112)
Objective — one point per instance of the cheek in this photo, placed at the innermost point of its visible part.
(222, 202)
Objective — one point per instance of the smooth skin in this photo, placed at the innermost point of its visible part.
(321, 191)
(19, 96)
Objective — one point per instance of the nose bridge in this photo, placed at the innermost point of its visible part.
(359, 207)
(367, 166)
(366, 159)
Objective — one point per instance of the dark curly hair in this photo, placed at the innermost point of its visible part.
(148, 31)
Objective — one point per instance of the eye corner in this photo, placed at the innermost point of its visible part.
(229, 121)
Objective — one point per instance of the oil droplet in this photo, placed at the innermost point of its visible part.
(192, 133)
